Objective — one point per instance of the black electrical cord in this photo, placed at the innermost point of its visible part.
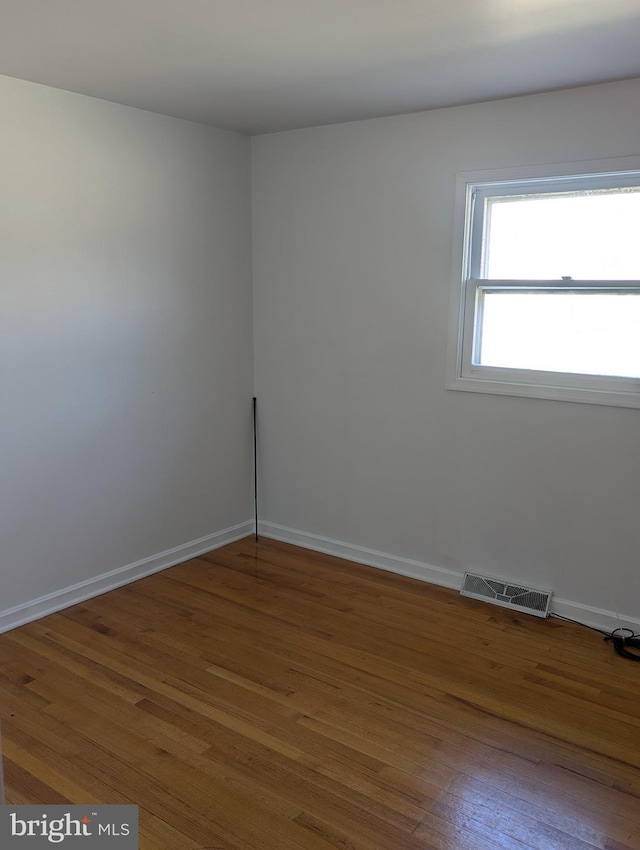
(255, 467)
(578, 623)
(621, 642)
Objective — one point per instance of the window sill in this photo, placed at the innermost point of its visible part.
(554, 393)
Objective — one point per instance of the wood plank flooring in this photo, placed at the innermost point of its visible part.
(264, 697)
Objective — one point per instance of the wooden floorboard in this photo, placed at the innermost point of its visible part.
(264, 697)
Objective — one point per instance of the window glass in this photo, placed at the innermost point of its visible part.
(590, 333)
(590, 235)
(547, 299)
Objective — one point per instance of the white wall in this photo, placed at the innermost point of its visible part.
(360, 440)
(125, 336)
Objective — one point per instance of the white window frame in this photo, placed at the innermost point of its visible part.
(464, 372)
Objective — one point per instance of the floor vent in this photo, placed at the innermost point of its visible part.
(525, 599)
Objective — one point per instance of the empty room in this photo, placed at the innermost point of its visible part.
(320, 393)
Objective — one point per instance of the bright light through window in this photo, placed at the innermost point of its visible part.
(584, 236)
(588, 333)
(550, 284)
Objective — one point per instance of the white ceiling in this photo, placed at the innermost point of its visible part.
(264, 65)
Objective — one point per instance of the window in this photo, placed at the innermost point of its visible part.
(547, 290)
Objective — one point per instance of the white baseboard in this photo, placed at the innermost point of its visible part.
(597, 617)
(11, 618)
(369, 557)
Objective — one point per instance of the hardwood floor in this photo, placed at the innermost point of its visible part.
(264, 697)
